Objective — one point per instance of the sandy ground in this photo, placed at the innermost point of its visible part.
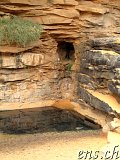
(49, 146)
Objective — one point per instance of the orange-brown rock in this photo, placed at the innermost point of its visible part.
(77, 58)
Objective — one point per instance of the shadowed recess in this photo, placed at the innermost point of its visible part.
(44, 119)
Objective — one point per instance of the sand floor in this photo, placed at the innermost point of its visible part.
(49, 146)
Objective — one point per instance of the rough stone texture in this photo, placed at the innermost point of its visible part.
(102, 64)
(94, 101)
(37, 72)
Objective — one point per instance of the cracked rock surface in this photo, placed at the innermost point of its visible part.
(86, 74)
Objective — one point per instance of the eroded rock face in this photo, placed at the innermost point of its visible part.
(38, 72)
(102, 65)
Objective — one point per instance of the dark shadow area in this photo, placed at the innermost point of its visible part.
(66, 50)
(46, 119)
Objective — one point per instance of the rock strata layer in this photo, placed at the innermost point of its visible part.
(77, 58)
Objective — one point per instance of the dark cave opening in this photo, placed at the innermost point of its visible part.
(66, 51)
(47, 119)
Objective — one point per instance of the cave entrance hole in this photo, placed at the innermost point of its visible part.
(48, 119)
(66, 51)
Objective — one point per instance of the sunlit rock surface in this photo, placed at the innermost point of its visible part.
(77, 58)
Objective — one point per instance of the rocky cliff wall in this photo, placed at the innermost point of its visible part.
(77, 54)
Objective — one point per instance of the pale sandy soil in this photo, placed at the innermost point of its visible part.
(49, 146)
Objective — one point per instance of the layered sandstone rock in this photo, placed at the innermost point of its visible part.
(81, 73)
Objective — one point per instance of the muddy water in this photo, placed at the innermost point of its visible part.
(49, 146)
